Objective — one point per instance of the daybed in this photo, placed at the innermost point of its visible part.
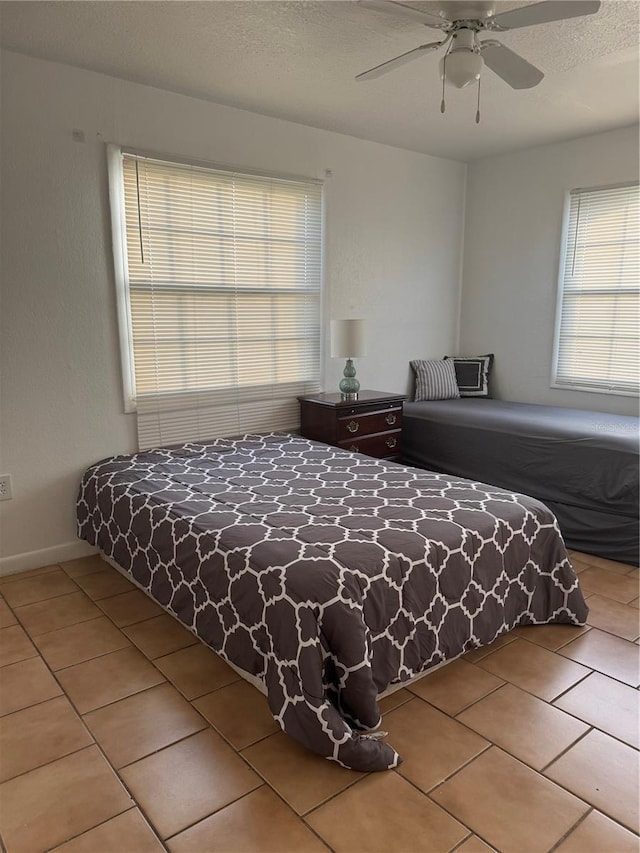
(582, 465)
(325, 576)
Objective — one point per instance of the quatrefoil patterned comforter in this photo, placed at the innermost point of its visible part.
(324, 574)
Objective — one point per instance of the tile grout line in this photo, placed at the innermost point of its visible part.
(551, 704)
(15, 608)
(309, 811)
(591, 668)
(602, 672)
(570, 688)
(134, 807)
(160, 748)
(32, 637)
(446, 810)
(573, 828)
(455, 772)
(11, 577)
(537, 772)
(601, 809)
(87, 660)
(592, 626)
(465, 707)
(135, 803)
(265, 785)
(217, 811)
(475, 701)
(96, 745)
(504, 749)
(64, 627)
(560, 755)
(586, 722)
(131, 645)
(459, 845)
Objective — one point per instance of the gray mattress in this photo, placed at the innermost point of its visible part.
(583, 465)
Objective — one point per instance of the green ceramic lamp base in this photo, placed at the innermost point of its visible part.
(349, 386)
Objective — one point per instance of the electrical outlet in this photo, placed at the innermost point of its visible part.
(5, 487)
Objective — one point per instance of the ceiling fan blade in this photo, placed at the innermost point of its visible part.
(513, 69)
(390, 64)
(403, 11)
(543, 13)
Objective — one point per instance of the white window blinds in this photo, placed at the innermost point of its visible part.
(597, 328)
(222, 277)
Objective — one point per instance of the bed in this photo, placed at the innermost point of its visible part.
(325, 576)
(582, 465)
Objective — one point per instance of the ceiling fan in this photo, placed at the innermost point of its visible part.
(465, 55)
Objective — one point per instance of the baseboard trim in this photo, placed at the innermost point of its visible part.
(45, 557)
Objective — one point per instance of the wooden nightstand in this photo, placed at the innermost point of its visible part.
(372, 424)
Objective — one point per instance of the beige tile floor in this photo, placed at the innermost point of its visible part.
(120, 732)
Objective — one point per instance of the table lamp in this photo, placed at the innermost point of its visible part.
(347, 341)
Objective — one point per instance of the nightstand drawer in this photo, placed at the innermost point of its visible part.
(380, 445)
(369, 423)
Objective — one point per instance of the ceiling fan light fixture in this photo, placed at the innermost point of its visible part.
(461, 67)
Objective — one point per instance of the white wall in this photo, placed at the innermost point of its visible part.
(512, 250)
(393, 244)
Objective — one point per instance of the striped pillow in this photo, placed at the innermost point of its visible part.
(435, 380)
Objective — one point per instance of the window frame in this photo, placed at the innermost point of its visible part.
(121, 273)
(115, 172)
(560, 293)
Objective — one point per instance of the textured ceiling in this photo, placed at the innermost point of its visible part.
(297, 60)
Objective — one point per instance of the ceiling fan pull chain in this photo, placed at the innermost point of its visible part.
(443, 106)
(478, 109)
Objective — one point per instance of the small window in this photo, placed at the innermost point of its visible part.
(597, 344)
(218, 277)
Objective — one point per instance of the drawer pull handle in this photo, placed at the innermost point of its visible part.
(391, 419)
(354, 448)
(391, 442)
(353, 426)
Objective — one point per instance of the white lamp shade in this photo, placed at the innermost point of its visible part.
(462, 67)
(347, 339)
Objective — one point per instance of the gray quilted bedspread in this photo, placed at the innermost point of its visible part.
(325, 574)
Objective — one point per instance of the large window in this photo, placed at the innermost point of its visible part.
(218, 277)
(597, 326)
